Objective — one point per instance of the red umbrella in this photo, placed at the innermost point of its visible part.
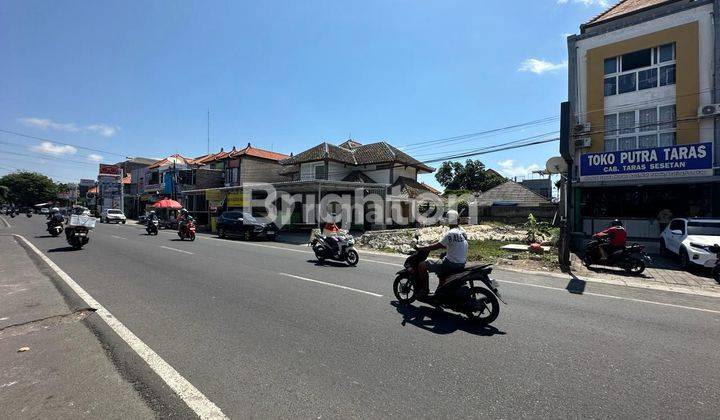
(167, 203)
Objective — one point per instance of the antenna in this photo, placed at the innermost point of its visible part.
(208, 132)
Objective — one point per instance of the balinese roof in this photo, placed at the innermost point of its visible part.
(431, 189)
(176, 159)
(353, 153)
(511, 192)
(626, 7)
(289, 170)
(358, 176)
(247, 151)
(408, 187)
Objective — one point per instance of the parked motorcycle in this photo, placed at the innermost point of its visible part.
(460, 293)
(343, 248)
(152, 227)
(54, 228)
(187, 230)
(77, 236)
(716, 270)
(631, 258)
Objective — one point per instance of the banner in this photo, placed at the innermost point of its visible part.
(109, 169)
(660, 162)
(236, 199)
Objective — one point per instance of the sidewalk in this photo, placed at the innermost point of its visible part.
(63, 371)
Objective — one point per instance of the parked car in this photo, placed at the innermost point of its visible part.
(112, 215)
(44, 210)
(242, 224)
(690, 240)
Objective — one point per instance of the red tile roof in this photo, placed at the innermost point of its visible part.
(168, 161)
(247, 151)
(625, 7)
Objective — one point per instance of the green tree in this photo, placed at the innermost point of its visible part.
(28, 188)
(4, 192)
(471, 176)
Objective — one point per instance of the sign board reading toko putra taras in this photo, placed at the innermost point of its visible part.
(660, 162)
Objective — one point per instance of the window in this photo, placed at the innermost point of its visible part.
(640, 70)
(627, 83)
(641, 129)
(611, 86)
(320, 172)
(667, 75)
(678, 225)
(647, 79)
(611, 65)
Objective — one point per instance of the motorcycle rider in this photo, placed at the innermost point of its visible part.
(151, 217)
(182, 218)
(614, 238)
(54, 217)
(455, 242)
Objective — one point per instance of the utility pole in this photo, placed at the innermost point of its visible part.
(208, 131)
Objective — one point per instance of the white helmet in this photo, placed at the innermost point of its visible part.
(54, 210)
(453, 218)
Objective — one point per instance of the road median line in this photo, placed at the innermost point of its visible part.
(177, 250)
(330, 284)
(196, 400)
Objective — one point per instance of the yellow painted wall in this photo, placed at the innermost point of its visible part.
(687, 88)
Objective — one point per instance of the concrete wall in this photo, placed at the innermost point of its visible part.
(259, 170)
(512, 214)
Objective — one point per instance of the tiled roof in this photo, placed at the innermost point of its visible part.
(247, 151)
(409, 187)
(431, 189)
(357, 154)
(358, 176)
(170, 159)
(512, 192)
(625, 7)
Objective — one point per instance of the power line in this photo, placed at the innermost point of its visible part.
(15, 133)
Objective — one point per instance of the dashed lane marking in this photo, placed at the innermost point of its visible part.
(177, 250)
(330, 284)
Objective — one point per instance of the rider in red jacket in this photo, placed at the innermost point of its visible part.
(616, 237)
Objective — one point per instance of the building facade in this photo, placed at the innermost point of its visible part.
(643, 142)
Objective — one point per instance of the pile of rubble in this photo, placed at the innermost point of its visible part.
(401, 240)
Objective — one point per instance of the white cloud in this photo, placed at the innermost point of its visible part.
(601, 3)
(46, 123)
(54, 149)
(508, 168)
(94, 157)
(104, 130)
(538, 66)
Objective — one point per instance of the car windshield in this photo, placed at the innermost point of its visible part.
(249, 218)
(114, 212)
(704, 228)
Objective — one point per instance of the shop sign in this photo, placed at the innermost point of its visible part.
(109, 170)
(660, 162)
(87, 183)
(213, 195)
(236, 199)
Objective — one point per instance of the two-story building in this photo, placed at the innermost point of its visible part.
(351, 167)
(235, 168)
(643, 81)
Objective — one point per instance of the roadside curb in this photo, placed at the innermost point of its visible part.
(568, 277)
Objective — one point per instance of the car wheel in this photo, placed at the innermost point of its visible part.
(247, 236)
(221, 233)
(123, 222)
(684, 259)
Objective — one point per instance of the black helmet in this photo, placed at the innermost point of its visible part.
(616, 223)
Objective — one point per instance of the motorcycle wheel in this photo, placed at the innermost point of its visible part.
(191, 237)
(716, 274)
(352, 258)
(634, 266)
(490, 310)
(319, 257)
(404, 290)
(77, 245)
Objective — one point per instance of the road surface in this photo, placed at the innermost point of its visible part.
(263, 331)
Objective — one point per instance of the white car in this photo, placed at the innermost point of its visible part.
(44, 210)
(690, 240)
(112, 215)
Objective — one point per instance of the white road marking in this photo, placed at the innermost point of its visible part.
(118, 237)
(195, 399)
(5, 221)
(175, 249)
(330, 284)
(613, 297)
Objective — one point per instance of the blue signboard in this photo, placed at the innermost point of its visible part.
(660, 162)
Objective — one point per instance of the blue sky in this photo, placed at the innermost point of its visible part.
(136, 78)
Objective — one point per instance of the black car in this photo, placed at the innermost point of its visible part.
(237, 223)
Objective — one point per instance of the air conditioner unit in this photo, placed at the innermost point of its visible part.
(583, 143)
(582, 128)
(711, 110)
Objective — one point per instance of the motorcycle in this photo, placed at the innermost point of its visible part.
(344, 249)
(716, 270)
(54, 228)
(631, 258)
(28, 214)
(152, 227)
(77, 236)
(460, 293)
(187, 230)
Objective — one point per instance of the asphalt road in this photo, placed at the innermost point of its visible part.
(261, 331)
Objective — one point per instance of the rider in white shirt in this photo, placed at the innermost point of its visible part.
(456, 245)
